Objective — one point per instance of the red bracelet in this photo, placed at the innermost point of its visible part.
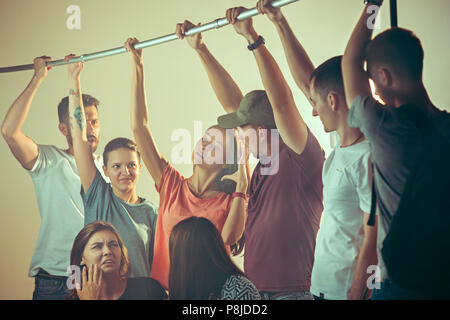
(239, 194)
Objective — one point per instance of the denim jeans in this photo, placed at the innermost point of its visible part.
(294, 295)
(390, 291)
(48, 287)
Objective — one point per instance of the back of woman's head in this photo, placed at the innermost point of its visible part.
(199, 262)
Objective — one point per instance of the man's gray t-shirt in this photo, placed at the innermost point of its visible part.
(136, 223)
(396, 143)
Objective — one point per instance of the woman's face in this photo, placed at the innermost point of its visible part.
(103, 250)
(212, 149)
(123, 169)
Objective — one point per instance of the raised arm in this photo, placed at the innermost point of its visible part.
(289, 122)
(300, 64)
(22, 147)
(356, 79)
(139, 116)
(77, 120)
(225, 88)
(234, 225)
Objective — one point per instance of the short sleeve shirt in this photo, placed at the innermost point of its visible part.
(347, 192)
(134, 222)
(395, 142)
(57, 187)
(284, 213)
(177, 203)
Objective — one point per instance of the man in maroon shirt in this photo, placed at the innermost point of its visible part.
(285, 203)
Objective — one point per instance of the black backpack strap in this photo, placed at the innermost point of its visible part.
(373, 205)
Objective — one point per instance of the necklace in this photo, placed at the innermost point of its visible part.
(357, 139)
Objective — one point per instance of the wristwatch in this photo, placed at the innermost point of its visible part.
(375, 2)
(256, 44)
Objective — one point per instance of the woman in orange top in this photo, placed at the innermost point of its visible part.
(205, 193)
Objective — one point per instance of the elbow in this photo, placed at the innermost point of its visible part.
(7, 133)
(230, 238)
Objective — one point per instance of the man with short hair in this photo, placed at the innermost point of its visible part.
(395, 64)
(57, 185)
(345, 244)
(285, 191)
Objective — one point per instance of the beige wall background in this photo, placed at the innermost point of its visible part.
(178, 92)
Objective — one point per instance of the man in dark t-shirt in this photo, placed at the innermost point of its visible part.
(395, 64)
(285, 204)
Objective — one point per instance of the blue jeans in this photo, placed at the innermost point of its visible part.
(48, 287)
(294, 295)
(390, 291)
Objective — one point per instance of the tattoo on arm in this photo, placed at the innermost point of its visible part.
(75, 93)
(78, 114)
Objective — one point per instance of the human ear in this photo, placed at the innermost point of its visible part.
(105, 171)
(385, 77)
(63, 128)
(332, 100)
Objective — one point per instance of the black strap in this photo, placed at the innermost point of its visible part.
(373, 205)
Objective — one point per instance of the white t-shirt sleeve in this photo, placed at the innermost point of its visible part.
(46, 159)
(362, 175)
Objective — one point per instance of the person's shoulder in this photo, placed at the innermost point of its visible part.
(52, 149)
(444, 120)
(150, 208)
(312, 146)
(364, 101)
(312, 155)
(50, 159)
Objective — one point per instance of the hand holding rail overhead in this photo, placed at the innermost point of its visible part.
(148, 43)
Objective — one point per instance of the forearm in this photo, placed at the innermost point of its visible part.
(366, 258)
(300, 65)
(235, 223)
(360, 37)
(140, 124)
(356, 81)
(18, 112)
(82, 149)
(77, 118)
(225, 88)
(277, 89)
(139, 113)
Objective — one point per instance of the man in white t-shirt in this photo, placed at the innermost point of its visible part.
(345, 244)
(57, 185)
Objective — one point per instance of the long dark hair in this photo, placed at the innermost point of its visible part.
(82, 238)
(199, 262)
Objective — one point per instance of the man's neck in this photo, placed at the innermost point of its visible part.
(348, 136)
(417, 96)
